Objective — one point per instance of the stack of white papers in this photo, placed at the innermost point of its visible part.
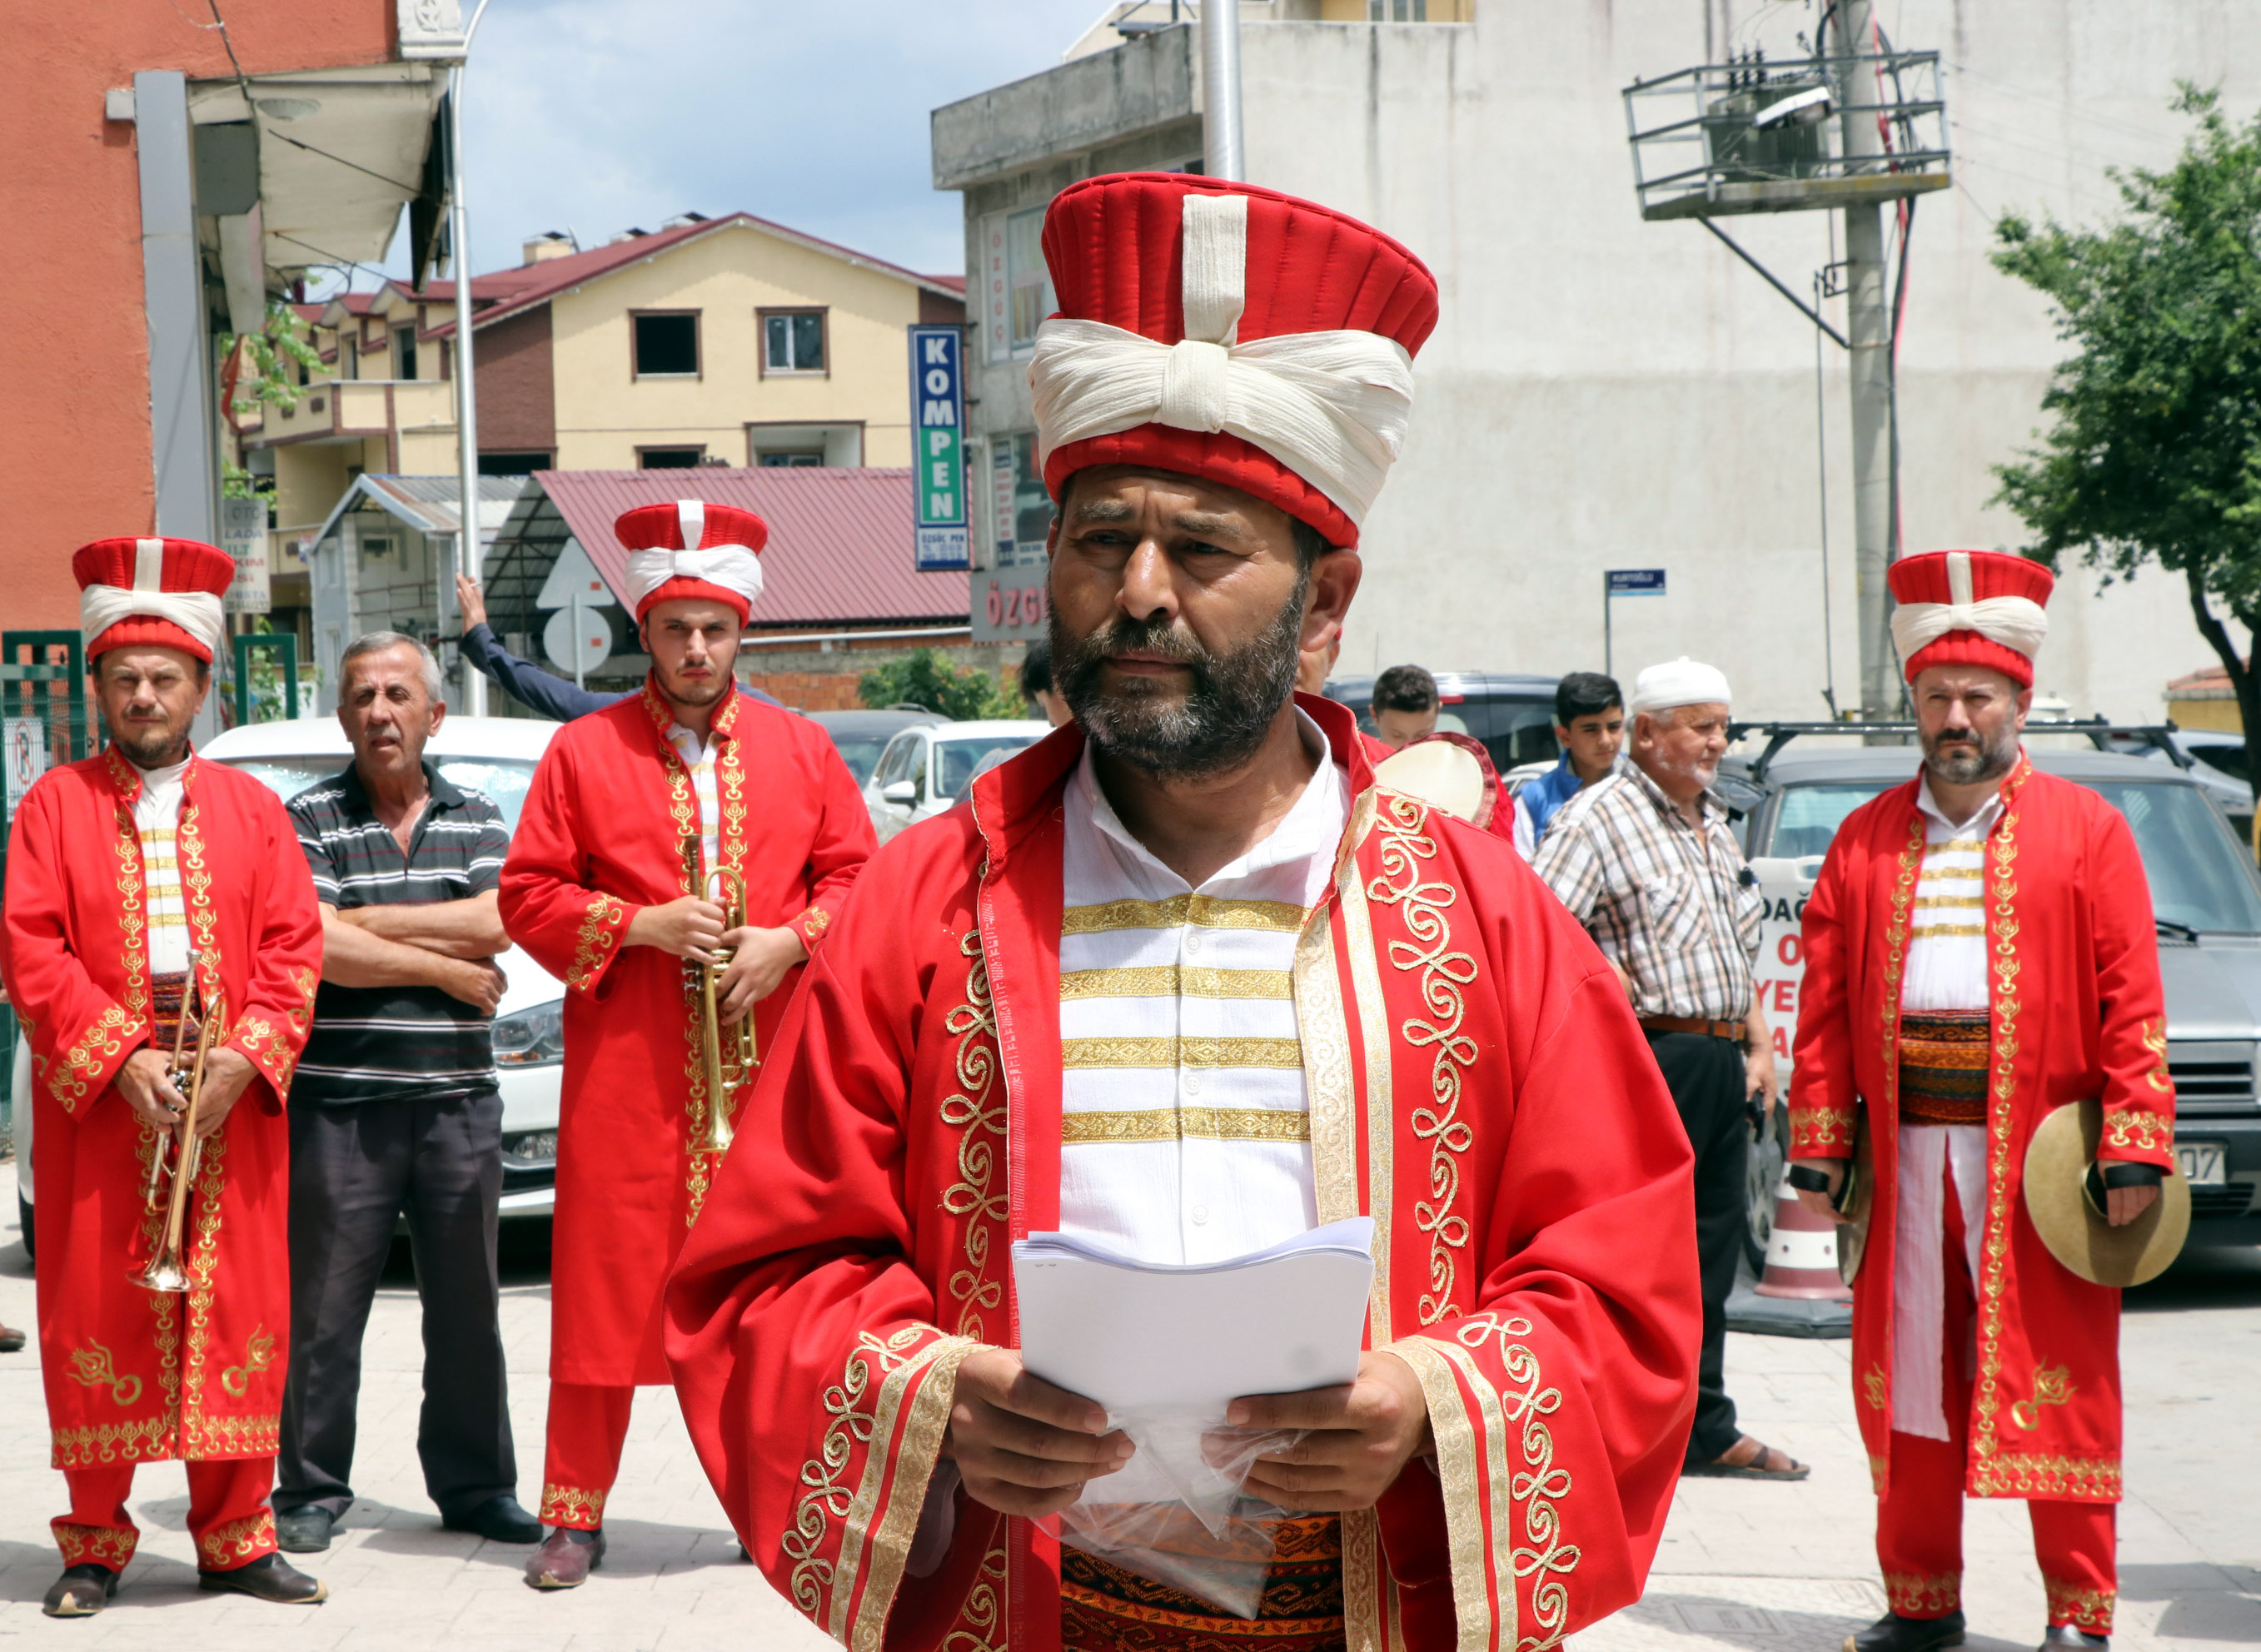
(1164, 1348)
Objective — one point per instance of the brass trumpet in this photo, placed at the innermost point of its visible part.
(167, 1271)
(730, 1057)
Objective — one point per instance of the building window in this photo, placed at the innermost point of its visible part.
(1397, 11)
(404, 350)
(666, 344)
(792, 341)
(348, 359)
(512, 464)
(1031, 279)
(840, 446)
(670, 458)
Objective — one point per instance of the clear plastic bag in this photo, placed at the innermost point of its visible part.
(1175, 1513)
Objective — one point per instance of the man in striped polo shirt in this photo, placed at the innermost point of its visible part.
(397, 1108)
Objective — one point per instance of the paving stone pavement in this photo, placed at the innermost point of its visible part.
(1758, 1567)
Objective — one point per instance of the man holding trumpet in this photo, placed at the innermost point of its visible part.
(685, 847)
(145, 886)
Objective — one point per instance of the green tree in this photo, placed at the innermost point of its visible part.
(269, 357)
(929, 678)
(2155, 454)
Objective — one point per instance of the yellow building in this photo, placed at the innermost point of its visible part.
(726, 341)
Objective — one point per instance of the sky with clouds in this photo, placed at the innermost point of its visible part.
(594, 115)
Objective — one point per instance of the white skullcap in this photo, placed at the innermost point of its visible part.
(1681, 682)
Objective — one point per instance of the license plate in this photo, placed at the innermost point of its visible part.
(2205, 1164)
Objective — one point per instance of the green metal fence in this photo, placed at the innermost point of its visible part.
(42, 680)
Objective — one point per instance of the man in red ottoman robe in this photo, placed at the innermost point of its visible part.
(126, 874)
(1979, 952)
(605, 888)
(1184, 977)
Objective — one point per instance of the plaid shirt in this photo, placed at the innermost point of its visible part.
(1676, 907)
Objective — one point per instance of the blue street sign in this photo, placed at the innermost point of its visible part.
(1636, 582)
(938, 449)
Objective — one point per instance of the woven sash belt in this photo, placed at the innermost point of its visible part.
(1943, 1062)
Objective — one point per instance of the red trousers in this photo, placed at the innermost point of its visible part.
(228, 1514)
(588, 1426)
(1919, 1517)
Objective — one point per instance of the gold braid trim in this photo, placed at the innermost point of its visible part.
(2127, 1130)
(1986, 1464)
(973, 1197)
(2077, 1603)
(572, 1505)
(1444, 976)
(828, 1497)
(111, 1546)
(238, 1543)
(1923, 1594)
(600, 928)
(980, 1626)
(137, 1439)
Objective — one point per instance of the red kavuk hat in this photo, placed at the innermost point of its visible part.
(691, 549)
(155, 593)
(1970, 608)
(1230, 333)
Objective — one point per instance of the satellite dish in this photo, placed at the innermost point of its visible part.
(596, 637)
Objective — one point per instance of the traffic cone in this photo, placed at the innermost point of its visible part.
(1801, 1256)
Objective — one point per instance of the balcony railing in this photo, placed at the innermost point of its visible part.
(341, 409)
(1758, 137)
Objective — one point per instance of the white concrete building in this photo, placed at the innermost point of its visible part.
(1603, 393)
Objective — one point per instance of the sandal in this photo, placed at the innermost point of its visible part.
(1750, 1460)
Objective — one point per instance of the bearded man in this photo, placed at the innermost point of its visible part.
(152, 896)
(608, 886)
(1182, 978)
(1980, 952)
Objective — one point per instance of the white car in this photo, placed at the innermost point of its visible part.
(925, 771)
(492, 755)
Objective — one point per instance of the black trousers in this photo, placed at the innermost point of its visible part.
(1705, 1077)
(354, 1170)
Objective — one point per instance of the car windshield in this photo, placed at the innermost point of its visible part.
(2199, 876)
(505, 779)
(859, 752)
(956, 760)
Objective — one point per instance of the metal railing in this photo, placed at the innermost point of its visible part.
(1758, 137)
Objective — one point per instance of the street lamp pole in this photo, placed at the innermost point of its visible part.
(467, 424)
(1222, 156)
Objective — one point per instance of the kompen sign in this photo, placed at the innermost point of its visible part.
(938, 455)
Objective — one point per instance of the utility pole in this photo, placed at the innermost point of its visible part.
(1222, 156)
(1867, 325)
(467, 425)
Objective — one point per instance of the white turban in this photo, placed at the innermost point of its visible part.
(736, 569)
(1681, 682)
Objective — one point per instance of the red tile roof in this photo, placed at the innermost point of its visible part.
(840, 540)
(506, 292)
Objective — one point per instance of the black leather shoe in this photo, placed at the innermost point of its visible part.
(11, 1341)
(304, 1531)
(80, 1591)
(499, 1519)
(1893, 1633)
(565, 1559)
(269, 1577)
(2070, 1637)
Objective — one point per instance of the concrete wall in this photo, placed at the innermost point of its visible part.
(604, 413)
(1604, 392)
